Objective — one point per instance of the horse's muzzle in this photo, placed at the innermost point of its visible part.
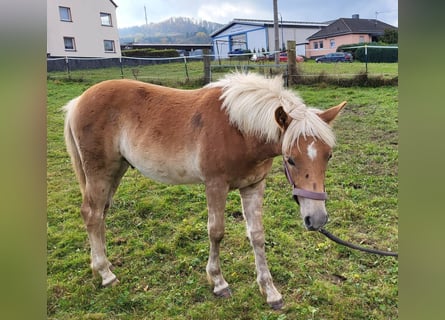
(313, 213)
(312, 224)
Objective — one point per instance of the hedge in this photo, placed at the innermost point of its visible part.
(374, 54)
(151, 53)
(377, 54)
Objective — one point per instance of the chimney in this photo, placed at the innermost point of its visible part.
(356, 16)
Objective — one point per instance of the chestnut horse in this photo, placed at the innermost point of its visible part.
(224, 135)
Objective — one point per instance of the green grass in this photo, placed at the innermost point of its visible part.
(343, 69)
(157, 238)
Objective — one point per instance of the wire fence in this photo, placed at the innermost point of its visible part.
(149, 69)
(200, 69)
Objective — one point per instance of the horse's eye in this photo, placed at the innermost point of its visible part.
(330, 156)
(290, 161)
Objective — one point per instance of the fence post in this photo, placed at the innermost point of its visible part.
(206, 60)
(366, 58)
(292, 61)
(186, 69)
(67, 64)
(122, 70)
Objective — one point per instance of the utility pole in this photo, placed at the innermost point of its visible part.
(276, 31)
(282, 33)
(146, 21)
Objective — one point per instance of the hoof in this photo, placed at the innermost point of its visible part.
(276, 305)
(115, 282)
(110, 282)
(224, 293)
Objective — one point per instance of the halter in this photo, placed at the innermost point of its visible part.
(297, 192)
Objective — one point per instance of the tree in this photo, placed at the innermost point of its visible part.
(390, 36)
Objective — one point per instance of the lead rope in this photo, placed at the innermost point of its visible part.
(354, 246)
(329, 235)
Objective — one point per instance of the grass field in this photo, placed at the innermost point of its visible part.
(157, 238)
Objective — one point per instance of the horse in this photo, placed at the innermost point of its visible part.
(224, 135)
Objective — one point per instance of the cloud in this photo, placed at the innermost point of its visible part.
(224, 12)
(131, 13)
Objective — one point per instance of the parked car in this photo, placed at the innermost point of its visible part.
(254, 57)
(236, 52)
(283, 57)
(261, 56)
(335, 57)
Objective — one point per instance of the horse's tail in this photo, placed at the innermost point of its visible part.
(71, 143)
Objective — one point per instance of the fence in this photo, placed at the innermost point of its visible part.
(198, 70)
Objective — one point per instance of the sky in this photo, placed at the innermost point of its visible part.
(132, 13)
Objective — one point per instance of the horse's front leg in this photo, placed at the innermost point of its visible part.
(216, 193)
(252, 202)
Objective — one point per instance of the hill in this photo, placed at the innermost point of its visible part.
(172, 30)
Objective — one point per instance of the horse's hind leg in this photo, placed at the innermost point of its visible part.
(216, 201)
(252, 202)
(97, 198)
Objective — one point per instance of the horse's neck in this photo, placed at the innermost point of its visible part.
(277, 149)
(268, 150)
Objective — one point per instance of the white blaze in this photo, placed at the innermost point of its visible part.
(311, 151)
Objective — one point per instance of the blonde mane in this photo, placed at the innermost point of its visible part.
(250, 100)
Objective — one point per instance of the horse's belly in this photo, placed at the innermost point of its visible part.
(167, 173)
(164, 168)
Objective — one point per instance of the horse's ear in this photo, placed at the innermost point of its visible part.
(330, 114)
(282, 118)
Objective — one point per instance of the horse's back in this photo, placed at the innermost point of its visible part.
(149, 109)
(131, 95)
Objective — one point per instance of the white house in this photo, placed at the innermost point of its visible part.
(82, 28)
(256, 35)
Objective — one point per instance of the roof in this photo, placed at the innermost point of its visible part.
(113, 3)
(268, 23)
(344, 26)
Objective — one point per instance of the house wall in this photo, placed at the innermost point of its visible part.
(85, 28)
(313, 52)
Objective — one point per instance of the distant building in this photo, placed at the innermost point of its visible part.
(258, 35)
(345, 31)
(82, 28)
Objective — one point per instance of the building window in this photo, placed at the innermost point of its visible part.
(65, 14)
(361, 39)
(315, 45)
(332, 43)
(105, 19)
(320, 44)
(70, 44)
(109, 46)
